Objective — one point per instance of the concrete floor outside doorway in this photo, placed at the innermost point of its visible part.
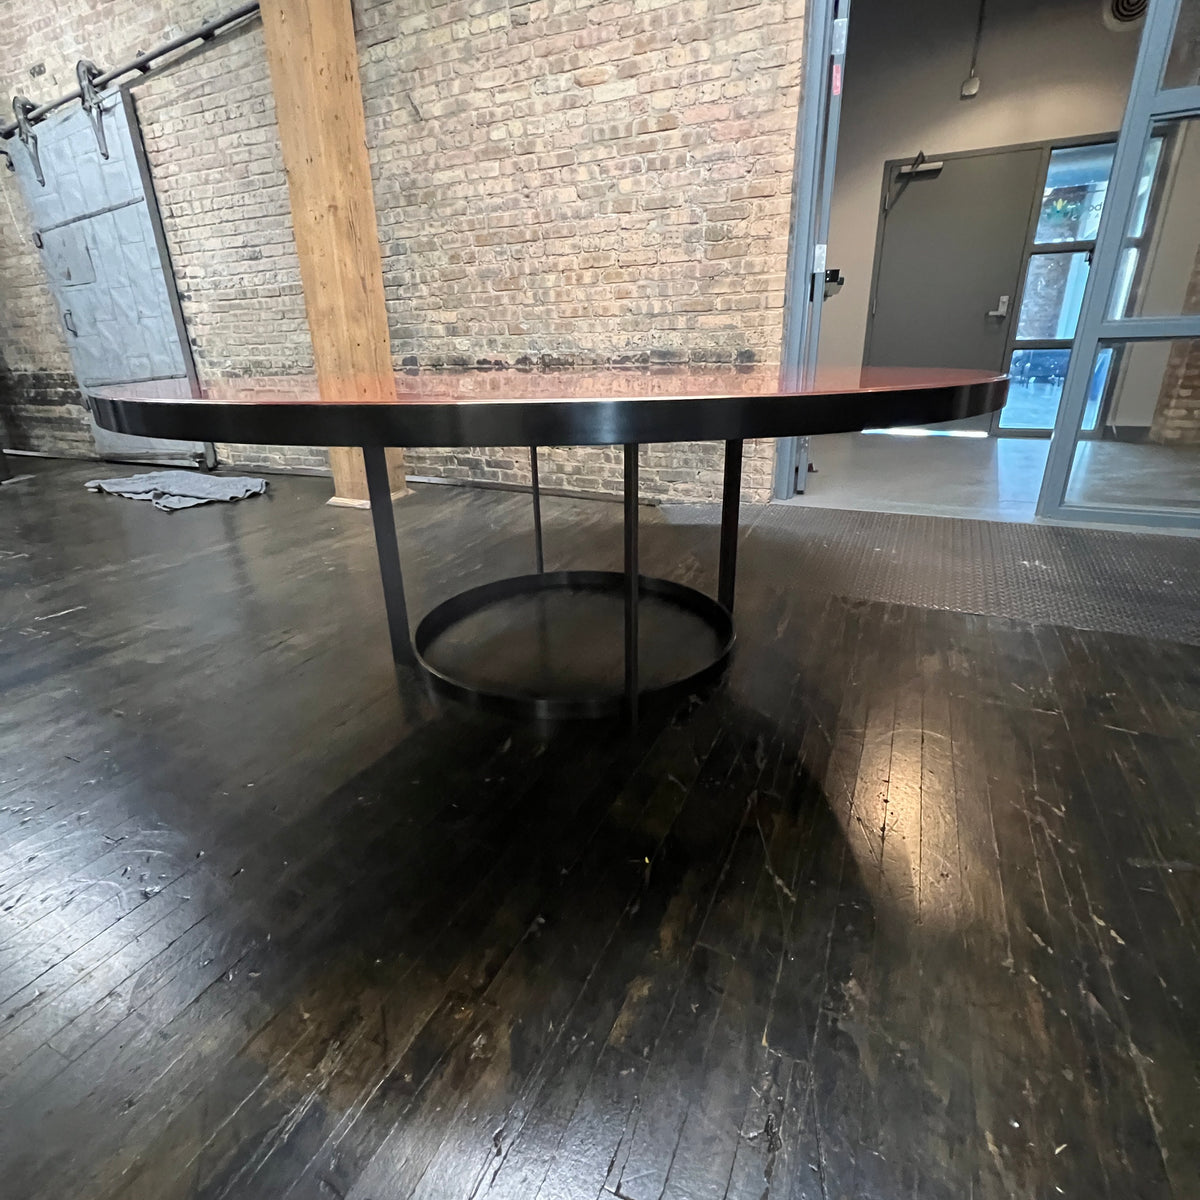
(991, 479)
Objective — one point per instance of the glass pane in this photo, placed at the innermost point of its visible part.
(1096, 388)
(1137, 222)
(1159, 273)
(1123, 284)
(1035, 389)
(1183, 61)
(1053, 293)
(1152, 457)
(1073, 198)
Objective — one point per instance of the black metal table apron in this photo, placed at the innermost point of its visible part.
(573, 409)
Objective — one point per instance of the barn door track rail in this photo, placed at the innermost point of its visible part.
(92, 81)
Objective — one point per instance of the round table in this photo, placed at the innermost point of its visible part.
(623, 406)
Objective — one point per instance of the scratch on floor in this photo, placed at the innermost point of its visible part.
(64, 612)
(776, 878)
(1170, 865)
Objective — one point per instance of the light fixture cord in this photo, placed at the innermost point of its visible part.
(978, 38)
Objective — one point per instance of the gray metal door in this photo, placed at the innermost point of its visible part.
(949, 261)
(102, 247)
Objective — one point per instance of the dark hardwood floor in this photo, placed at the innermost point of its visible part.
(908, 907)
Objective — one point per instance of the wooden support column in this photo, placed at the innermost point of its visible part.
(318, 102)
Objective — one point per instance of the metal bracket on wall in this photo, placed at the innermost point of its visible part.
(86, 73)
(905, 175)
(22, 107)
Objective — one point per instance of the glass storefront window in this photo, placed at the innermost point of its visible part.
(1141, 203)
(1134, 381)
(1153, 459)
(1036, 385)
(1053, 294)
(1073, 197)
(1159, 270)
(1183, 59)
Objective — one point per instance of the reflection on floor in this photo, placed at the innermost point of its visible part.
(992, 479)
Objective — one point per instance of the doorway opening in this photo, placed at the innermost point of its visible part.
(982, 258)
(964, 222)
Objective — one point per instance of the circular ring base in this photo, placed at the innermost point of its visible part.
(450, 612)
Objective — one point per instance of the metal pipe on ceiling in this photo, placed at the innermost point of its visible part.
(141, 62)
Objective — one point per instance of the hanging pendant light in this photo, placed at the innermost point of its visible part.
(970, 85)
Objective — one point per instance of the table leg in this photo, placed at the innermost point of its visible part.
(632, 580)
(731, 499)
(380, 491)
(537, 511)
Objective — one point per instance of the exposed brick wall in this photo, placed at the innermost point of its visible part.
(591, 180)
(583, 183)
(208, 124)
(43, 411)
(40, 404)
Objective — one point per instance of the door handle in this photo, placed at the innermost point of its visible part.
(69, 323)
(1001, 309)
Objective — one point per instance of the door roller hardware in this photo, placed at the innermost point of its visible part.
(87, 73)
(22, 107)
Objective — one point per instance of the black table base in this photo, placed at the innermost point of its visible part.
(717, 614)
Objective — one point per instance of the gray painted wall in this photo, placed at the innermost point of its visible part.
(1049, 69)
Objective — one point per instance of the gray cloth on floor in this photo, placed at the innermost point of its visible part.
(170, 490)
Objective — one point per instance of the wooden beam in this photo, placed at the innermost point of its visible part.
(318, 104)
